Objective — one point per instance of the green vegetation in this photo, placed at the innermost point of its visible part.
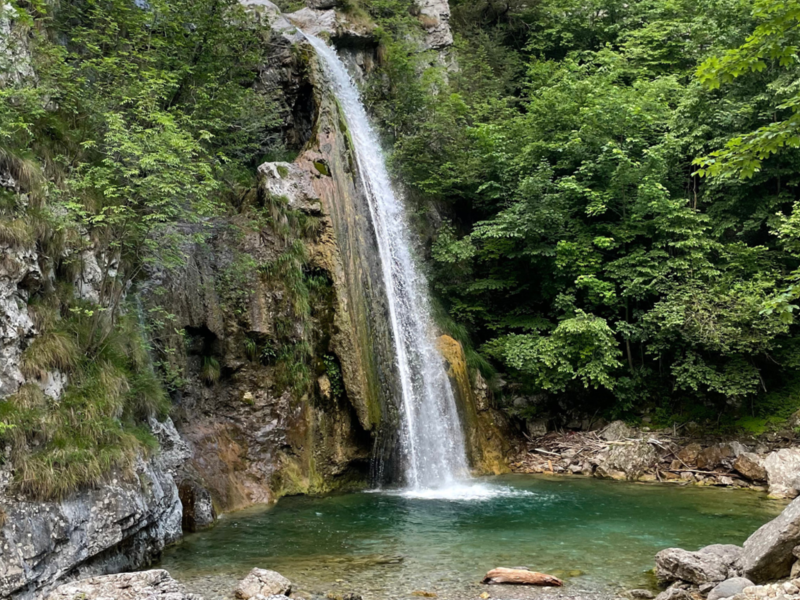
(95, 426)
(620, 181)
(141, 124)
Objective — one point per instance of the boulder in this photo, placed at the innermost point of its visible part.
(751, 466)
(729, 587)
(688, 454)
(198, 508)
(767, 554)
(715, 456)
(145, 585)
(632, 459)
(616, 431)
(537, 428)
(783, 469)
(710, 564)
(674, 593)
(263, 582)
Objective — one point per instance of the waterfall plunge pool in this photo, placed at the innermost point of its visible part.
(599, 536)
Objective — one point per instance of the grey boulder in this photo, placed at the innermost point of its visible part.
(262, 582)
(145, 585)
(767, 553)
(674, 593)
(713, 563)
(729, 587)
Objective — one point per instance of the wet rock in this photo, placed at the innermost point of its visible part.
(198, 508)
(520, 577)
(768, 553)
(729, 587)
(603, 472)
(145, 585)
(642, 594)
(616, 431)
(783, 470)
(713, 563)
(262, 582)
(336, 25)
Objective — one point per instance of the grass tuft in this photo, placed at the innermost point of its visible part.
(50, 351)
(97, 427)
(211, 370)
(16, 233)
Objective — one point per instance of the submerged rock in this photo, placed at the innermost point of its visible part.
(262, 582)
(145, 585)
(521, 577)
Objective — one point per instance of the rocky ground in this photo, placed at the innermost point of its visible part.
(617, 451)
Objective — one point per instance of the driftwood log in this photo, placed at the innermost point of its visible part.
(520, 577)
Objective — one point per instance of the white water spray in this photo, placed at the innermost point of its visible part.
(431, 438)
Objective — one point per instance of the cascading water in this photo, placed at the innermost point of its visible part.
(432, 442)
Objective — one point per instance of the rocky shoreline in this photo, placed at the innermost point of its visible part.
(617, 451)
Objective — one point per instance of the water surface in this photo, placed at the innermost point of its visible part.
(598, 535)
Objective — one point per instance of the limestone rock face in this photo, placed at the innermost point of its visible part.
(435, 19)
(263, 582)
(15, 52)
(486, 430)
(713, 563)
(16, 327)
(145, 585)
(783, 472)
(768, 552)
(120, 525)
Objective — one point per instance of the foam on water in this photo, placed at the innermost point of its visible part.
(463, 492)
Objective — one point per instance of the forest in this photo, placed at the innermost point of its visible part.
(619, 185)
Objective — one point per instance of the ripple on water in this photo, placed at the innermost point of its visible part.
(597, 535)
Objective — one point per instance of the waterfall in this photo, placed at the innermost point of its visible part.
(431, 439)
